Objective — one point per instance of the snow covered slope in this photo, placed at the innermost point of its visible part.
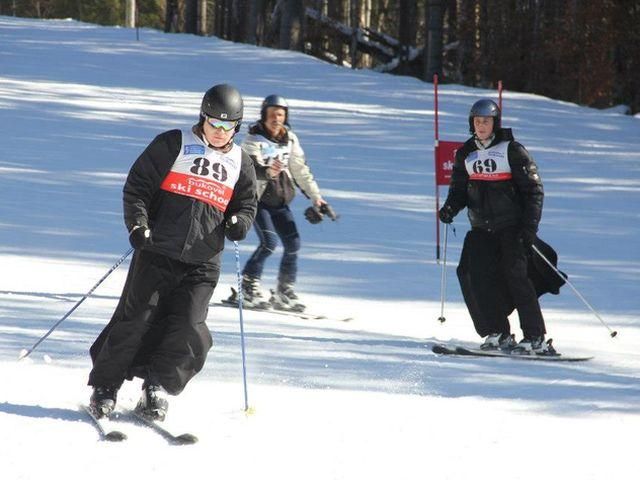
(359, 400)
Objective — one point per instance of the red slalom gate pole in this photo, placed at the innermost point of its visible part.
(435, 160)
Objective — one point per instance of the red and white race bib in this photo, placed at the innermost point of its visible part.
(203, 173)
(490, 165)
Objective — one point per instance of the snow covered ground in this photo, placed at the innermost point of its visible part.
(333, 400)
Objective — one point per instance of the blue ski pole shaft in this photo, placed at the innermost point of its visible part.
(26, 353)
(240, 299)
(443, 277)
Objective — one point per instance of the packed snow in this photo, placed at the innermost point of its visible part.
(365, 399)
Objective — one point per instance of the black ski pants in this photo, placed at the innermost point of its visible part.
(494, 279)
(158, 331)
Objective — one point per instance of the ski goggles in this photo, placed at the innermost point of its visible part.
(226, 125)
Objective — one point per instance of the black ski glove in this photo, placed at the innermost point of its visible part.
(446, 214)
(326, 209)
(313, 215)
(528, 237)
(235, 230)
(140, 236)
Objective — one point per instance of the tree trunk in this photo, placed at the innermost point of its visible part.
(130, 14)
(191, 16)
(355, 25)
(202, 18)
(337, 10)
(467, 30)
(533, 51)
(228, 19)
(433, 50)
(291, 25)
(218, 18)
(171, 16)
(406, 32)
(381, 17)
(364, 21)
(314, 33)
(255, 7)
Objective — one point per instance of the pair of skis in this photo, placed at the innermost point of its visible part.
(104, 427)
(462, 351)
(305, 315)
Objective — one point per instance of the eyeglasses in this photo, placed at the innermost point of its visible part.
(226, 125)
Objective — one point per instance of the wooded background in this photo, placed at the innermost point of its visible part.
(582, 51)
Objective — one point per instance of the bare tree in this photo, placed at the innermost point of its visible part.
(171, 16)
(191, 16)
(338, 10)
(253, 20)
(202, 17)
(467, 38)
(363, 14)
(433, 38)
(406, 32)
(130, 14)
(291, 23)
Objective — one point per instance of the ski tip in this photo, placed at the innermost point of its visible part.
(185, 439)
(440, 349)
(115, 436)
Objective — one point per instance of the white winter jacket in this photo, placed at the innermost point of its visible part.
(264, 150)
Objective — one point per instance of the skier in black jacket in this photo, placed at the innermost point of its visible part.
(185, 193)
(497, 180)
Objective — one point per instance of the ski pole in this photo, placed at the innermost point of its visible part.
(443, 278)
(25, 353)
(240, 299)
(612, 333)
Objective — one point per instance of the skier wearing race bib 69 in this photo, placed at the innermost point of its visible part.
(185, 193)
(280, 167)
(496, 179)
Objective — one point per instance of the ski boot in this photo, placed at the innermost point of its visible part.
(103, 401)
(284, 298)
(534, 346)
(153, 403)
(499, 341)
(252, 294)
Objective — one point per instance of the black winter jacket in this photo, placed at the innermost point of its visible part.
(494, 205)
(182, 227)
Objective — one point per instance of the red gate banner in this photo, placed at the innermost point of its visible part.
(445, 156)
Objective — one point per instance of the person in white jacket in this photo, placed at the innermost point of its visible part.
(280, 167)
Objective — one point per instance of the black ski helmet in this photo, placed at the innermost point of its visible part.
(223, 102)
(485, 108)
(274, 101)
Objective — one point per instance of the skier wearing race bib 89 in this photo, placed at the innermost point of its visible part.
(497, 180)
(186, 192)
(280, 166)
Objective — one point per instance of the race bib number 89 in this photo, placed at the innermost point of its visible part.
(209, 178)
